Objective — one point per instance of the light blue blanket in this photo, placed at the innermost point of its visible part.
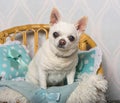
(35, 94)
(89, 62)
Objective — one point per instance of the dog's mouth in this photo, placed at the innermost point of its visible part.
(61, 46)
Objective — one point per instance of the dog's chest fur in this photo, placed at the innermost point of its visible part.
(55, 67)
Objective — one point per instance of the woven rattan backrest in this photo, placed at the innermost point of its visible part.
(12, 32)
(85, 42)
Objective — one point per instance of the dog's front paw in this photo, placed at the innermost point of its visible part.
(43, 85)
(70, 77)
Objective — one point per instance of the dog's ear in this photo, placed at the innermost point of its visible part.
(55, 16)
(81, 24)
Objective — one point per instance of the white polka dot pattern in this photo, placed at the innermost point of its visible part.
(4, 65)
(9, 67)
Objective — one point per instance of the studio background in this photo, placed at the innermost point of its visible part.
(103, 26)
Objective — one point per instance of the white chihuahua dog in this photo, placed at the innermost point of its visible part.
(57, 58)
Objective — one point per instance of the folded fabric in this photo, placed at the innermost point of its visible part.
(13, 60)
(35, 94)
(88, 62)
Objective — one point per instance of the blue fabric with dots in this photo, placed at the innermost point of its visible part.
(10, 67)
(87, 62)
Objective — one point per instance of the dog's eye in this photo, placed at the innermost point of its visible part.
(55, 34)
(71, 38)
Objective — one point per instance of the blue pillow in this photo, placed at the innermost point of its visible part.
(35, 94)
(13, 61)
(88, 62)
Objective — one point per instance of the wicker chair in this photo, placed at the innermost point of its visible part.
(85, 42)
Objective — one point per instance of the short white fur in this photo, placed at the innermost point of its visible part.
(52, 64)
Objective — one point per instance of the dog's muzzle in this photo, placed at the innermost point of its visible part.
(62, 43)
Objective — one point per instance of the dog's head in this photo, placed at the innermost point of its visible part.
(65, 36)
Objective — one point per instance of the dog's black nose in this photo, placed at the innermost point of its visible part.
(62, 42)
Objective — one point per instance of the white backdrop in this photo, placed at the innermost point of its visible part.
(103, 26)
